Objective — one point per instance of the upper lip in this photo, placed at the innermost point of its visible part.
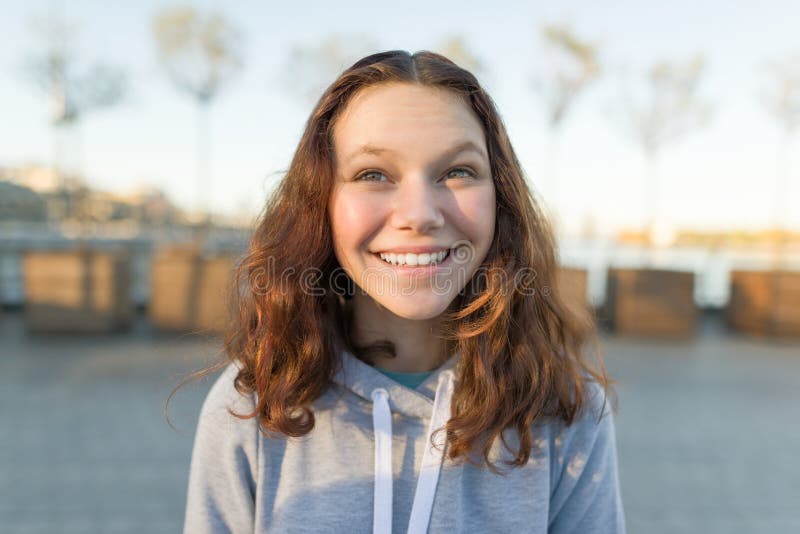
(413, 250)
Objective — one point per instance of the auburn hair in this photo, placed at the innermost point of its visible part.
(523, 350)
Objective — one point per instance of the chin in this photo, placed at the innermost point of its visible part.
(415, 308)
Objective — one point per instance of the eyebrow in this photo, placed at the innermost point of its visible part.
(464, 146)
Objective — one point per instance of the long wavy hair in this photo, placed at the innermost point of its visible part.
(523, 350)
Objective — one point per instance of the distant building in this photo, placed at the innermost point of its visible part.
(19, 203)
(38, 178)
(41, 194)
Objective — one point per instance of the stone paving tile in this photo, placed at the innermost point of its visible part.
(707, 432)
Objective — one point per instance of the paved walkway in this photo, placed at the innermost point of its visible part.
(708, 432)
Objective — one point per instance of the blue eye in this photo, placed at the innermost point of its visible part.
(467, 172)
(365, 177)
(377, 176)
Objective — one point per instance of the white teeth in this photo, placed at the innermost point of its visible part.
(412, 259)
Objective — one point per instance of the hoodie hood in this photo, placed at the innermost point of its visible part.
(430, 401)
(361, 378)
(243, 480)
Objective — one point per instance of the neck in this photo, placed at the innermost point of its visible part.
(416, 342)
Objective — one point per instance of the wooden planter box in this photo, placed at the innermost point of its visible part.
(765, 303)
(572, 285)
(76, 291)
(651, 302)
(189, 291)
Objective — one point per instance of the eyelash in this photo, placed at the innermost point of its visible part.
(469, 171)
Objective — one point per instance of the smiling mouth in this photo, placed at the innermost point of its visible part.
(411, 260)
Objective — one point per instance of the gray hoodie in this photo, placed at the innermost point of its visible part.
(366, 467)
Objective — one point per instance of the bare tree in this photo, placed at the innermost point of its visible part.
(200, 53)
(781, 99)
(458, 51)
(668, 107)
(571, 64)
(73, 89)
(311, 67)
(782, 96)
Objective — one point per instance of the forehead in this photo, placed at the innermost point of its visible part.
(405, 118)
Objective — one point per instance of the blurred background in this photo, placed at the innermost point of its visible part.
(140, 140)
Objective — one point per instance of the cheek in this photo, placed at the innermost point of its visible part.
(351, 220)
(477, 211)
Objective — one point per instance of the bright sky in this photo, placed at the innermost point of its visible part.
(719, 177)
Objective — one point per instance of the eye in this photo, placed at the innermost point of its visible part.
(461, 172)
(370, 176)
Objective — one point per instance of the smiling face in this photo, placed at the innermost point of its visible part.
(413, 208)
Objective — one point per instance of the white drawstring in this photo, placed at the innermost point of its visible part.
(382, 424)
(431, 459)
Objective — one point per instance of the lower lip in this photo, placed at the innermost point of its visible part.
(418, 269)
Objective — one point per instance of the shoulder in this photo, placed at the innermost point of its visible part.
(597, 403)
(223, 393)
(588, 445)
(225, 461)
(216, 420)
(595, 419)
(585, 493)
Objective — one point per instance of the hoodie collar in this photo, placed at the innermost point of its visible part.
(361, 378)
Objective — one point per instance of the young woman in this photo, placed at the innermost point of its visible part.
(402, 359)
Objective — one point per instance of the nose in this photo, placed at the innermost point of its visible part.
(416, 205)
